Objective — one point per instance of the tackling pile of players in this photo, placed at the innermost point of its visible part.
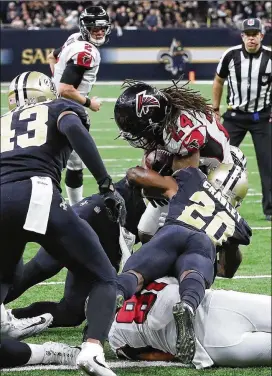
(160, 306)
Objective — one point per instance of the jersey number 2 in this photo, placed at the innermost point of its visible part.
(38, 125)
(218, 227)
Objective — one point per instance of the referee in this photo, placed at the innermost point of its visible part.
(247, 67)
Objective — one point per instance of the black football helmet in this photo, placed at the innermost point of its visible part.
(141, 112)
(91, 17)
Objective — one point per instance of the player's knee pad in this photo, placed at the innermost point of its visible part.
(74, 178)
(197, 262)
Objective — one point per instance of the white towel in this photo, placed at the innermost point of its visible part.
(39, 205)
(126, 241)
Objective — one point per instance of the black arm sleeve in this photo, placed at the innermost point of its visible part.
(82, 142)
(73, 74)
(56, 52)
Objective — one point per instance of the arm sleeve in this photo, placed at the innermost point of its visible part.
(223, 65)
(56, 52)
(82, 142)
(73, 74)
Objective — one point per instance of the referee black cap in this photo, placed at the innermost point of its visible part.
(252, 24)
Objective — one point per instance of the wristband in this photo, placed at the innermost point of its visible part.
(87, 103)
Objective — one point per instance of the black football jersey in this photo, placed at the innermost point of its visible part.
(32, 145)
(198, 205)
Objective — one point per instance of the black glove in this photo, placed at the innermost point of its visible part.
(114, 202)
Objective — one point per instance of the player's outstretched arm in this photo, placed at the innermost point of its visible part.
(150, 179)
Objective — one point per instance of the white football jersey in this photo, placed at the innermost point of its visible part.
(83, 54)
(216, 137)
(221, 320)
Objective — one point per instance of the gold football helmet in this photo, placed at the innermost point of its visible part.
(30, 88)
(232, 181)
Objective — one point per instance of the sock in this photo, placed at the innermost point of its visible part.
(35, 309)
(192, 289)
(74, 194)
(13, 353)
(127, 285)
(37, 354)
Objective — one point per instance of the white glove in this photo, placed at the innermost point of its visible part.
(162, 219)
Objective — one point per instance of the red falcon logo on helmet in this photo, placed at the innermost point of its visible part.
(143, 102)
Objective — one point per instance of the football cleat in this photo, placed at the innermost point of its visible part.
(91, 359)
(186, 341)
(60, 353)
(24, 328)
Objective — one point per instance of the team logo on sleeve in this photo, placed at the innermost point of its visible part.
(144, 102)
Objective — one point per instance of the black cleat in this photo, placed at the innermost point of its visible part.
(186, 341)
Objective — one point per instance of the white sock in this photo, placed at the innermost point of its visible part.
(3, 314)
(74, 194)
(37, 354)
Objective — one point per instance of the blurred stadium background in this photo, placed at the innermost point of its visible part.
(156, 41)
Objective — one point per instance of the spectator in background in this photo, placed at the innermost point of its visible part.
(72, 20)
(152, 20)
(17, 23)
(191, 22)
(121, 17)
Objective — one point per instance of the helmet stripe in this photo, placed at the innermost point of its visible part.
(232, 178)
(24, 85)
(20, 88)
(16, 89)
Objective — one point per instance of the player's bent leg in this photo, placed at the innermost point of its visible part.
(254, 350)
(74, 185)
(13, 353)
(41, 267)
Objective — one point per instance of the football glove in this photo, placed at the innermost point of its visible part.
(155, 201)
(114, 202)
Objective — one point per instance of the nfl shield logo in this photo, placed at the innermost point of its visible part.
(250, 22)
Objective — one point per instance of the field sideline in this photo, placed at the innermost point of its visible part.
(254, 275)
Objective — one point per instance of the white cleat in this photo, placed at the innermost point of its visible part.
(60, 353)
(24, 328)
(92, 360)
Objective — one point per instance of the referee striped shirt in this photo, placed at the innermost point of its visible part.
(249, 78)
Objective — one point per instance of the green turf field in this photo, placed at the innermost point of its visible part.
(118, 156)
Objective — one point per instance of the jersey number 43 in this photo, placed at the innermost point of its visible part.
(36, 128)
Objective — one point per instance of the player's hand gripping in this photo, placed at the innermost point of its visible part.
(114, 202)
(95, 104)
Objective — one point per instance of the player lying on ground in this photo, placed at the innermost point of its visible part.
(70, 310)
(37, 137)
(74, 68)
(199, 219)
(233, 329)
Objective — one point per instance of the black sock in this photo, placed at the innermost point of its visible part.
(101, 310)
(127, 285)
(13, 353)
(35, 309)
(192, 289)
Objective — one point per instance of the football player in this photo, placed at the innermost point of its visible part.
(37, 137)
(200, 218)
(233, 329)
(70, 310)
(74, 67)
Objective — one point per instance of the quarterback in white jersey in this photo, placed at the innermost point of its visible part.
(74, 67)
(233, 329)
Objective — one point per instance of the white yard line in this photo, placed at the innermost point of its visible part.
(113, 365)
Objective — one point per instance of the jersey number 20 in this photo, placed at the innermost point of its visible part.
(219, 227)
(38, 125)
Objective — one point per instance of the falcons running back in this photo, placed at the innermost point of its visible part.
(75, 67)
(37, 137)
(233, 329)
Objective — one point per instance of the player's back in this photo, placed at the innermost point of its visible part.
(32, 145)
(85, 55)
(199, 206)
